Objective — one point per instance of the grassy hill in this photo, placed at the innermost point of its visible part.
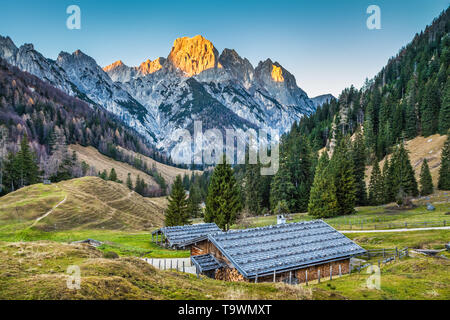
(38, 270)
(420, 148)
(84, 203)
(101, 162)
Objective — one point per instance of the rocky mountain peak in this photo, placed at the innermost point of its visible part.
(8, 49)
(193, 55)
(277, 74)
(240, 68)
(149, 66)
(113, 66)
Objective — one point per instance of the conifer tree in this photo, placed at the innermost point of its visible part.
(194, 201)
(129, 182)
(444, 113)
(388, 182)
(103, 175)
(223, 201)
(376, 186)
(359, 166)
(112, 175)
(444, 171)
(426, 182)
(177, 208)
(281, 188)
(342, 168)
(322, 200)
(403, 173)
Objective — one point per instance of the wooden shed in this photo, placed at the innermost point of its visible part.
(184, 237)
(295, 252)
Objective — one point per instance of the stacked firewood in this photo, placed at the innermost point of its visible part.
(229, 274)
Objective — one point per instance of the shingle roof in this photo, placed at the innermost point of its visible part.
(261, 251)
(181, 236)
(206, 262)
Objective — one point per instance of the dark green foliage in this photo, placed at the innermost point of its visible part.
(112, 175)
(140, 186)
(389, 183)
(359, 167)
(403, 173)
(194, 201)
(342, 170)
(376, 186)
(103, 175)
(223, 201)
(444, 114)
(444, 172)
(129, 182)
(21, 168)
(322, 200)
(281, 188)
(426, 182)
(177, 209)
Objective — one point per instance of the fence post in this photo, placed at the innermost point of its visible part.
(306, 277)
(256, 278)
(183, 267)
(290, 277)
(331, 272)
(171, 264)
(159, 265)
(340, 271)
(177, 264)
(318, 275)
(274, 276)
(164, 264)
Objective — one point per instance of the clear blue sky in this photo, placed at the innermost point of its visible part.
(324, 43)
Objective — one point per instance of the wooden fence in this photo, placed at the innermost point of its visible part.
(383, 225)
(388, 255)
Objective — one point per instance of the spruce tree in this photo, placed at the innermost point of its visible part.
(403, 173)
(129, 182)
(322, 200)
(444, 171)
(341, 165)
(103, 175)
(376, 186)
(112, 175)
(223, 201)
(388, 182)
(252, 189)
(194, 200)
(177, 208)
(444, 113)
(426, 182)
(359, 167)
(281, 188)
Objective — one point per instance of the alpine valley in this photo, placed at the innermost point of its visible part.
(194, 82)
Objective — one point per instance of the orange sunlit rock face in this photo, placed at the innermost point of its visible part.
(113, 66)
(193, 55)
(149, 66)
(277, 74)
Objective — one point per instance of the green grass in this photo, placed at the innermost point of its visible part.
(420, 278)
(426, 239)
(38, 270)
(123, 243)
(370, 218)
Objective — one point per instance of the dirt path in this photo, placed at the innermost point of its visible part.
(394, 230)
(48, 212)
